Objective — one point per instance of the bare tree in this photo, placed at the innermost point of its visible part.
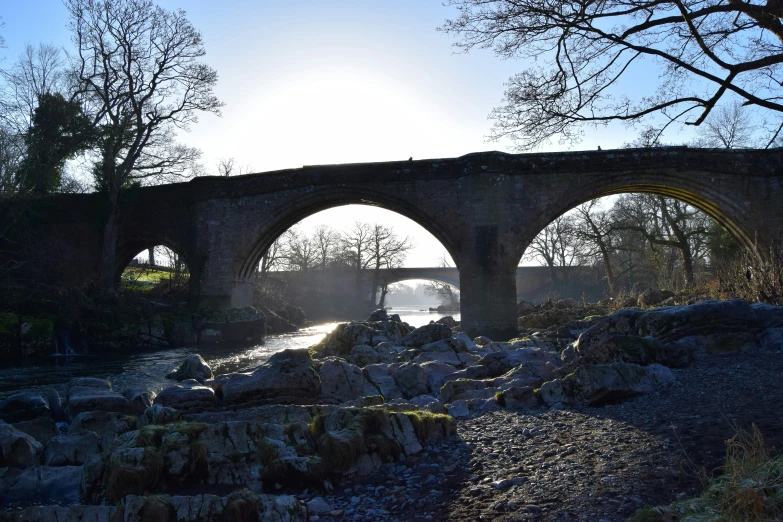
(728, 126)
(386, 250)
(665, 223)
(595, 228)
(445, 293)
(301, 253)
(228, 167)
(557, 247)
(137, 70)
(584, 53)
(326, 242)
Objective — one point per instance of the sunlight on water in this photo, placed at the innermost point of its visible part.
(149, 368)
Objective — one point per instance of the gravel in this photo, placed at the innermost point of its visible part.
(596, 464)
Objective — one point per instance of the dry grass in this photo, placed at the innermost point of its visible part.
(750, 489)
(425, 424)
(242, 506)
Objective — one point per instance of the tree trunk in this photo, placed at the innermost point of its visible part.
(151, 256)
(609, 270)
(375, 281)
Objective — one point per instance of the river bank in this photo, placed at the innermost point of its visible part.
(379, 420)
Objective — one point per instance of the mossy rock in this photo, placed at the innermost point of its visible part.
(9, 324)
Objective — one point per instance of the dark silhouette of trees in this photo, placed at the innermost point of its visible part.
(583, 55)
(137, 71)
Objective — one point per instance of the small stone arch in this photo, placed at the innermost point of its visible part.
(302, 207)
(128, 248)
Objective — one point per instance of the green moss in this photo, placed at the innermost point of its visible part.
(317, 426)
(38, 328)
(424, 423)
(152, 435)
(500, 399)
(9, 324)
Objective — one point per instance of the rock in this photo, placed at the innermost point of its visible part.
(52, 398)
(23, 406)
(520, 397)
(41, 429)
(340, 381)
(68, 513)
(459, 409)
(139, 398)
(481, 340)
(523, 307)
(234, 325)
(411, 379)
(653, 296)
(437, 373)
(286, 377)
(567, 303)
(593, 384)
(187, 396)
(378, 315)
(539, 362)
(363, 355)
(429, 333)
(318, 506)
(454, 389)
(381, 376)
(448, 321)
(620, 348)
(771, 338)
(296, 315)
(768, 316)
(90, 394)
(345, 336)
(429, 403)
(69, 450)
(104, 424)
(18, 449)
(158, 414)
(193, 367)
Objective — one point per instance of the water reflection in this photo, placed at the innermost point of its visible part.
(148, 368)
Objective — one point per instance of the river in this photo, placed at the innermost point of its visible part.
(149, 367)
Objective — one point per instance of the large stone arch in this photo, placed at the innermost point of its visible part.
(686, 187)
(292, 211)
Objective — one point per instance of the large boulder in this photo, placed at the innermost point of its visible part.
(345, 336)
(158, 414)
(768, 316)
(189, 395)
(411, 379)
(18, 449)
(24, 406)
(287, 377)
(437, 373)
(140, 398)
(653, 296)
(593, 384)
(620, 348)
(340, 381)
(41, 428)
(381, 376)
(429, 333)
(91, 394)
(69, 450)
(363, 354)
(193, 367)
(244, 325)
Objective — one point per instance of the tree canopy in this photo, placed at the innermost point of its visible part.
(590, 61)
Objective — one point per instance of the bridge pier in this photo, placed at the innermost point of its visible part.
(488, 284)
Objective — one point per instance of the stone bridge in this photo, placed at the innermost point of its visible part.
(485, 208)
(533, 283)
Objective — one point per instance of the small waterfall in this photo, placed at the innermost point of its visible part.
(63, 344)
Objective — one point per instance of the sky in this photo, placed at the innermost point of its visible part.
(320, 82)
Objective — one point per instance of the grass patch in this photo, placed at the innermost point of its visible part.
(425, 423)
(156, 509)
(242, 506)
(127, 479)
(152, 435)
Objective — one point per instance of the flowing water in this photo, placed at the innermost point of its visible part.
(149, 367)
